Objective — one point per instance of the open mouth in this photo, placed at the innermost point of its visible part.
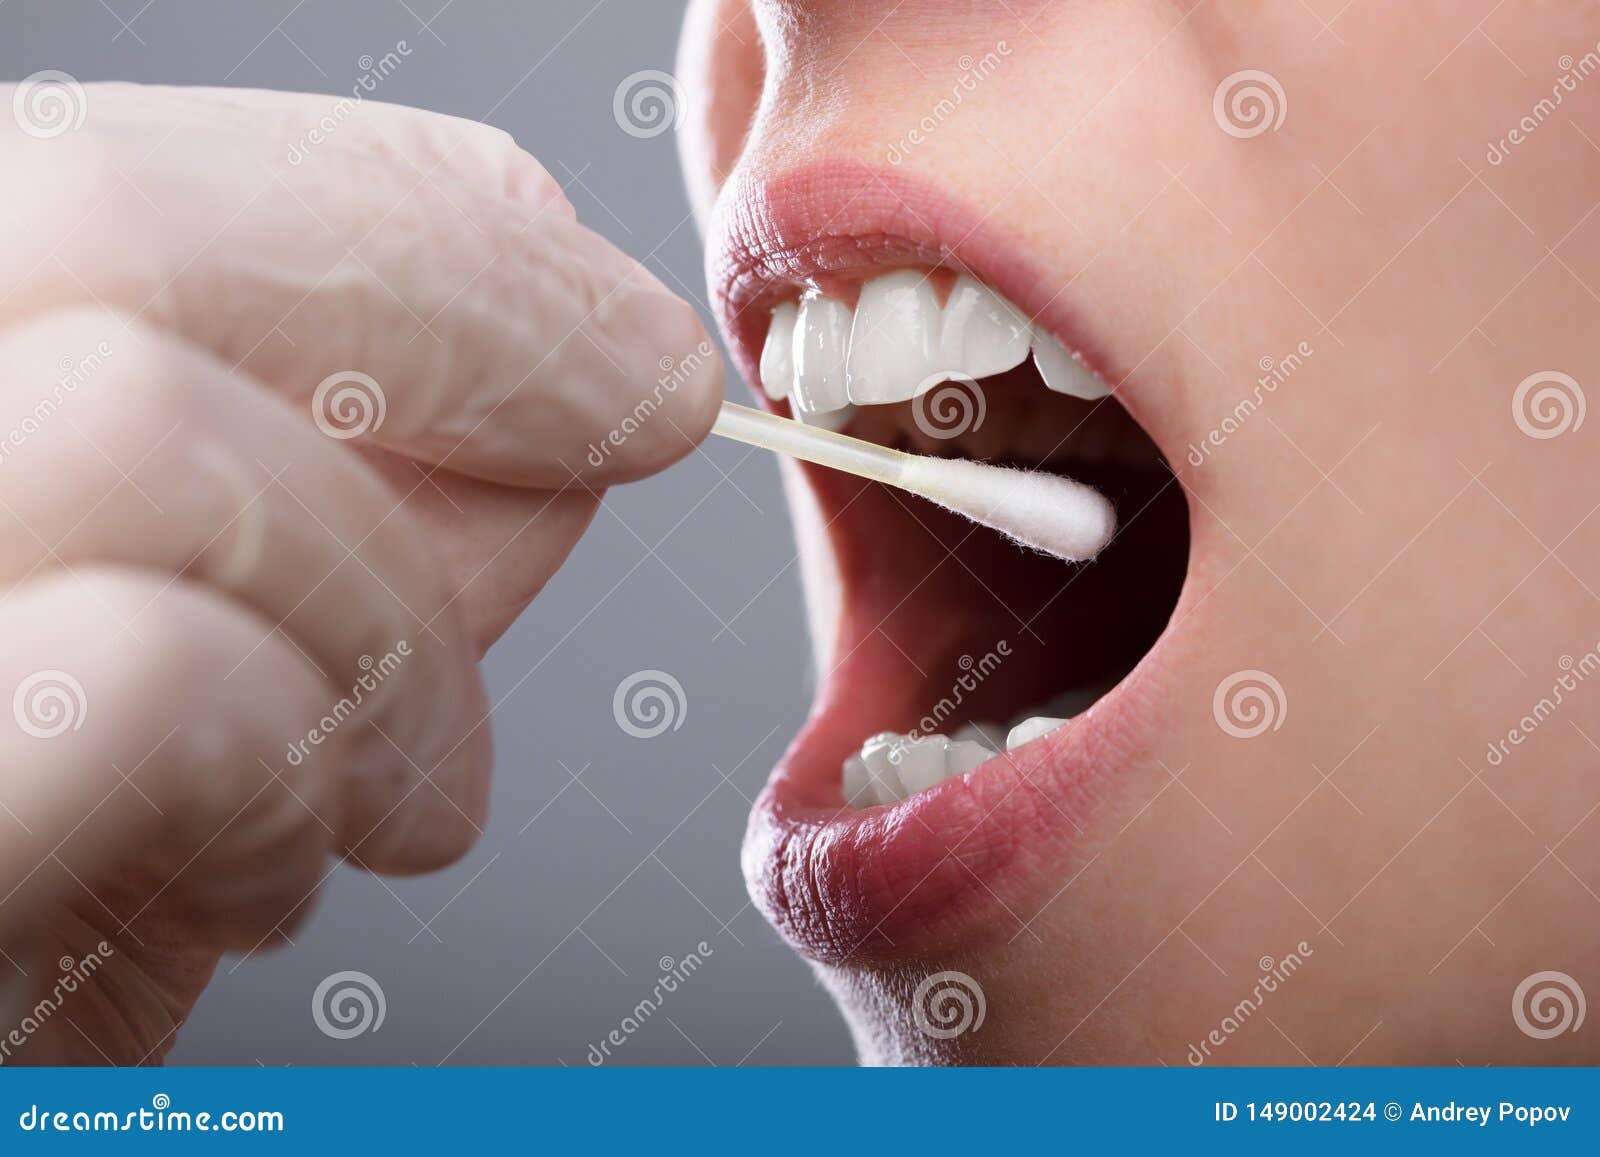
(937, 362)
(973, 689)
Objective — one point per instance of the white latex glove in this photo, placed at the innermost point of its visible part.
(194, 572)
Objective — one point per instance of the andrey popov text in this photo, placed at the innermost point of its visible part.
(1448, 1113)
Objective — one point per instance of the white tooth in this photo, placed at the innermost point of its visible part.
(857, 783)
(894, 339)
(876, 757)
(821, 337)
(777, 356)
(891, 767)
(828, 419)
(981, 333)
(920, 762)
(965, 755)
(990, 735)
(1064, 373)
(1030, 729)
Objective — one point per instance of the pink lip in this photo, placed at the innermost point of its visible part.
(835, 219)
(845, 886)
(851, 886)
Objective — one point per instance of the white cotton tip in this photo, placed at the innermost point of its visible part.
(1044, 511)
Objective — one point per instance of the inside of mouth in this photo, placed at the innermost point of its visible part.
(956, 645)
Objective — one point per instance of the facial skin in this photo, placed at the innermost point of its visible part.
(1381, 534)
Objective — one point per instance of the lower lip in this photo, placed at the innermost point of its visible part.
(959, 860)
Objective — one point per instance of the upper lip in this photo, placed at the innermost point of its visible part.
(845, 885)
(844, 219)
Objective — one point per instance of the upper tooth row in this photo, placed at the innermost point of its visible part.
(893, 767)
(899, 342)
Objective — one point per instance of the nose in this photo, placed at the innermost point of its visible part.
(869, 70)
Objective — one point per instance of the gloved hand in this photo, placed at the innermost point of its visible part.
(301, 402)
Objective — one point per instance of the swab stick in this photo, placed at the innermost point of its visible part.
(1045, 511)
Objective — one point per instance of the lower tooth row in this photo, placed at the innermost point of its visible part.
(891, 767)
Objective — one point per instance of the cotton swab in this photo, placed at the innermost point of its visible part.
(1045, 511)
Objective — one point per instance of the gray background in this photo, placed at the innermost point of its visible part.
(549, 933)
